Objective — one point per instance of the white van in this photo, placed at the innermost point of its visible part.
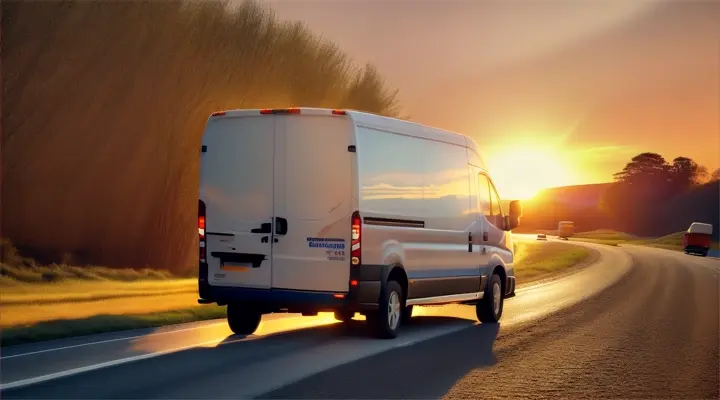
(566, 229)
(307, 210)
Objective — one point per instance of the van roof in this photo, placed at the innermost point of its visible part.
(368, 120)
(700, 227)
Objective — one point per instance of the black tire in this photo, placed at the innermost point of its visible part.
(490, 308)
(386, 327)
(344, 315)
(406, 315)
(243, 320)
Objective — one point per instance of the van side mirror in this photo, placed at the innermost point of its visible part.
(512, 220)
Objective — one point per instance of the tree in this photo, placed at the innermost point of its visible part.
(644, 168)
(715, 176)
(644, 186)
(686, 173)
(647, 176)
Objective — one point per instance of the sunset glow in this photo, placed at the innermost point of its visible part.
(520, 171)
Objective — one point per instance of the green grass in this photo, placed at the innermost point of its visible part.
(58, 329)
(672, 241)
(536, 260)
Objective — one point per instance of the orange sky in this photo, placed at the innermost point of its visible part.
(556, 92)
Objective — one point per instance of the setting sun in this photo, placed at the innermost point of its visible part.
(520, 171)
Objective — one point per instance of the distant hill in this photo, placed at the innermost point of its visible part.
(579, 203)
(578, 196)
(582, 204)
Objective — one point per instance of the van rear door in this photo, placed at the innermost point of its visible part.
(313, 202)
(236, 185)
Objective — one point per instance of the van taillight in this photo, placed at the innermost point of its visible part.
(355, 255)
(201, 230)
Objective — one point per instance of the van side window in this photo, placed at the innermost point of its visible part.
(497, 214)
(489, 201)
(484, 196)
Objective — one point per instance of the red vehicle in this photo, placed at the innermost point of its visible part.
(697, 239)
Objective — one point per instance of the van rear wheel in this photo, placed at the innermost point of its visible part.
(242, 319)
(386, 320)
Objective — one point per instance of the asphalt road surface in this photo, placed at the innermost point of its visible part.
(640, 322)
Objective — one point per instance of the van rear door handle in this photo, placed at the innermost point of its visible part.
(485, 236)
(281, 226)
(264, 228)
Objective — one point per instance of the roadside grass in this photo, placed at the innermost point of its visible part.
(22, 314)
(81, 292)
(672, 241)
(35, 310)
(26, 271)
(536, 260)
(58, 329)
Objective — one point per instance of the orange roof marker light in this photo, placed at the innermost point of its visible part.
(218, 114)
(339, 112)
(291, 110)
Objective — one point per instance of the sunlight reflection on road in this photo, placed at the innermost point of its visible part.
(214, 334)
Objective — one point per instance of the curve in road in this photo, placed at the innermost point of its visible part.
(579, 334)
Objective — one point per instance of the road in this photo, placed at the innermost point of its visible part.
(641, 322)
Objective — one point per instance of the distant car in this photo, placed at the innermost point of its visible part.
(697, 239)
(541, 236)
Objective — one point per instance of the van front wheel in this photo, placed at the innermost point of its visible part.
(242, 319)
(490, 308)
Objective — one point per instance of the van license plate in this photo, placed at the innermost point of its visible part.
(235, 267)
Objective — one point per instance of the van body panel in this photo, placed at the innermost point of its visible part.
(258, 169)
(417, 210)
(313, 193)
(238, 201)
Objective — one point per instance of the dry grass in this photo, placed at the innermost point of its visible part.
(34, 293)
(14, 315)
(104, 105)
(80, 292)
(536, 260)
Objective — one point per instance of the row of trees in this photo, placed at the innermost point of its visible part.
(651, 196)
(104, 104)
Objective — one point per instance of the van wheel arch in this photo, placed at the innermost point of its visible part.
(396, 272)
(500, 271)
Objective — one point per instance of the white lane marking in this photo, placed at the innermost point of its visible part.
(108, 341)
(407, 344)
(75, 371)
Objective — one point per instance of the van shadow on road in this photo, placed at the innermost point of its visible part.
(214, 371)
(424, 370)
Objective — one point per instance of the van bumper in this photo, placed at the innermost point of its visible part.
(363, 296)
